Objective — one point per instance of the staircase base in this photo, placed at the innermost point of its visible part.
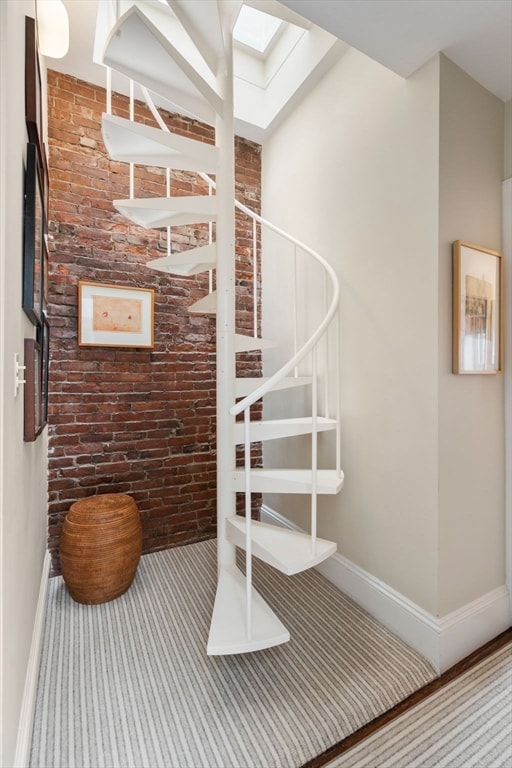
(228, 630)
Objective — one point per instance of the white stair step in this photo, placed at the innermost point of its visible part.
(228, 629)
(130, 142)
(247, 385)
(190, 262)
(148, 45)
(245, 343)
(288, 551)
(289, 481)
(205, 306)
(157, 212)
(276, 428)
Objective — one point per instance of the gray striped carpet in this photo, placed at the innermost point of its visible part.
(128, 683)
(466, 724)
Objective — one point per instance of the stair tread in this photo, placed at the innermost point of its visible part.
(157, 212)
(131, 142)
(289, 481)
(167, 61)
(287, 550)
(272, 429)
(228, 630)
(244, 386)
(190, 262)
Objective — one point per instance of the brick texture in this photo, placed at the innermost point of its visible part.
(126, 420)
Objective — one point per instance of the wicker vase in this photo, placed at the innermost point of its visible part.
(100, 547)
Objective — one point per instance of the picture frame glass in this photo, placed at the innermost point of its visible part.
(113, 316)
(478, 310)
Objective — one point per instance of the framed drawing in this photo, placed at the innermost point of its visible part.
(32, 403)
(112, 316)
(477, 309)
(33, 98)
(34, 229)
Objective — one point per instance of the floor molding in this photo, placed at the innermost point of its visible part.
(22, 755)
(443, 641)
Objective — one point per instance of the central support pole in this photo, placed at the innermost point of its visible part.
(225, 277)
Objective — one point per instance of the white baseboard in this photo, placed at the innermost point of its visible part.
(24, 739)
(444, 641)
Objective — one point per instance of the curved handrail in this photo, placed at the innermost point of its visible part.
(279, 375)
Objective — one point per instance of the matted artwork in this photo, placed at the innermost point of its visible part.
(112, 316)
(477, 309)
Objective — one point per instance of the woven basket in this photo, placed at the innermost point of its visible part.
(100, 547)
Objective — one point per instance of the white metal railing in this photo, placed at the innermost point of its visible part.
(310, 346)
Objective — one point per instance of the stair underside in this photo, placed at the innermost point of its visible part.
(156, 212)
(276, 428)
(289, 481)
(203, 23)
(166, 60)
(288, 551)
(130, 142)
(205, 306)
(190, 262)
(245, 343)
(247, 385)
(228, 629)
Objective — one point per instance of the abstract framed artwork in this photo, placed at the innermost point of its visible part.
(477, 309)
(113, 316)
(34, 229)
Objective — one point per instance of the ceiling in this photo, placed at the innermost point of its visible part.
(400, 34)
(404, 34)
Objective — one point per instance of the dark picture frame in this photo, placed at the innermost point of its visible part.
(34, 230)
(44, 343)
(32, 400)
(33, 93)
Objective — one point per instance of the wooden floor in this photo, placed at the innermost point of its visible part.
(456, 671)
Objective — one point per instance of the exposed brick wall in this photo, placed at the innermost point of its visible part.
(132, 420)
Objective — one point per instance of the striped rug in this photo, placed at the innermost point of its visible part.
(128, 683)
(466, 724)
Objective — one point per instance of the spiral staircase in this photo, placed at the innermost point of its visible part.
(182, 50)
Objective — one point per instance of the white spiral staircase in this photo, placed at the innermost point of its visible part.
(182, 51)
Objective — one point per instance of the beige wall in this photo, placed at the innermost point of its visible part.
(471, 408)
(507, 171)
(369, 170)
(354, 174)
(22, 465)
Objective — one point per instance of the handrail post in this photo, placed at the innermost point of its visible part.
(314, 448)
(255, 276)
(132, 167)
(248, 519)
(338, 392)
(109, 91)
(295, 309)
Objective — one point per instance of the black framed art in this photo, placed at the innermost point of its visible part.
(33, 97)
(34, 229)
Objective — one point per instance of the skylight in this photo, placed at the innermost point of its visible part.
(256, 29)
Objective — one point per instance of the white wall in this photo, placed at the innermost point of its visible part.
(471, 408)
(359, 172)
(23, 495)
(354, 174)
